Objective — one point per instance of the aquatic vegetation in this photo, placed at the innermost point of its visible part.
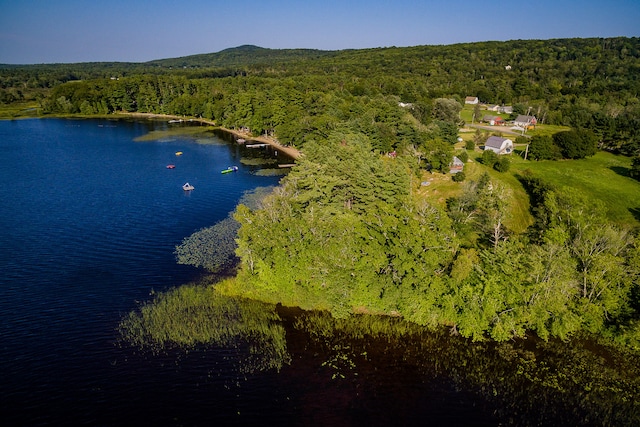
(181, 132)
(530, 381)
(255, 161)
(194, 315)
(271, 172)
(214, 247)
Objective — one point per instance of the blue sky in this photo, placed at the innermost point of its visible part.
(52, 31)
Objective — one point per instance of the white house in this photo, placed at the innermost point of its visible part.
(524, 122)
(456, 165)
(499, 145)
(471, 100)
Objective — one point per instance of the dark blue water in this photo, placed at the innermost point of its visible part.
(89, 220)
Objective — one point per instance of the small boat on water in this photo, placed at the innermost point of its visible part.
(241, 140)
(176, 121)
(171, 166)
(187, 187)
(230, 169)
(178, 153)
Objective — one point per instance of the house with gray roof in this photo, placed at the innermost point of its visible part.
(456, 165)
(524, 122)
(499, 145)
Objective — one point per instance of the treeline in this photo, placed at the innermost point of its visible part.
(300, 95)
(344, 233)
(295, 110)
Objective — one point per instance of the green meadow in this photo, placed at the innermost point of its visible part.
(20, 110)
(603, 177)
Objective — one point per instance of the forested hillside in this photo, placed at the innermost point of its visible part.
(348, 231)
(345, 233)
(300, 95)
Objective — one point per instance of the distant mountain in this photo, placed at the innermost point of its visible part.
(242, 56)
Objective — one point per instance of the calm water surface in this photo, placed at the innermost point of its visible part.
(89, 221)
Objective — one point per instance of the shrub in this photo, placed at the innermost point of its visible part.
(458, 177)
(463, 156)
(489, 158)
(502, 164)
(470, 145)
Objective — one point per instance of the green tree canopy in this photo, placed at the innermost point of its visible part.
(543, 148)
(576, 144)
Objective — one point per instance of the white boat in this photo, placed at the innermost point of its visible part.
(187, 187)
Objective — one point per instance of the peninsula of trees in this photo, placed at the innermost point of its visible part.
(350, 230)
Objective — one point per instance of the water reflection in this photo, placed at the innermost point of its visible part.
(383, 370)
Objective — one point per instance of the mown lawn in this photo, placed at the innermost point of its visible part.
(604, 177)
(547, 130)
(442, 187)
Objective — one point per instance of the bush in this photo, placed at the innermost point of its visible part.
(489, 158)
(458, 177)
(502, 164)
(463, 156)
(470, 145)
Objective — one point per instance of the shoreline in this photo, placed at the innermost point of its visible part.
(294, 153)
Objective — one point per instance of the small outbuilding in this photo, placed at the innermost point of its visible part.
(456, 165)
(471, 100)
(499, 145)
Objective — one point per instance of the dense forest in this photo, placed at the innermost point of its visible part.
(347, 232)
(301, 95)
(326, 239)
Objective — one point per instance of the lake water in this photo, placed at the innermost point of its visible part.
(89, 221)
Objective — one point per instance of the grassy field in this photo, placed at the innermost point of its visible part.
(467, 114)
(546, 130)
(20, 110)
(441, 187)
(602, 177)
